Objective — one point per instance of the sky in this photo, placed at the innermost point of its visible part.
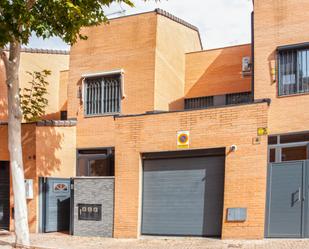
(221, 22)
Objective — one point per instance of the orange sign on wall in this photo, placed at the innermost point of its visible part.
(183, 139)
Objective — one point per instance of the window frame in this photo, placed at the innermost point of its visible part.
(290, 48)
(203, 102)
(106, 74)
(238, 98)
(214, 101)
(107, 153)
(279, 146)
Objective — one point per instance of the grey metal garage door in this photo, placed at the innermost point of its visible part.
(287, 208)
(57, 204)
(183, 196)
(4, 195)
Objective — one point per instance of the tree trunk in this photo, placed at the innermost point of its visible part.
(15, 146)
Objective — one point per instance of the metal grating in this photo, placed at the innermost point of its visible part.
(238, 98)
(201, 102)
(293, 71)
(102, 95)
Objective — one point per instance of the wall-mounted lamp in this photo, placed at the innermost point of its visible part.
(233, 148)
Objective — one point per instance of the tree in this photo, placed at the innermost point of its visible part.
(44, 18)
(33, 99)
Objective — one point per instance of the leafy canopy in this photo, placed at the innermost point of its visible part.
(47, 18)
(33, 99)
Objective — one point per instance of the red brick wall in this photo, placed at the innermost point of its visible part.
(47, 151)
(216, 72)
(125, 43)
(170, 61)
(279, 23)
(29, 159)
(245, 170)
(30, 62)
(143, 45)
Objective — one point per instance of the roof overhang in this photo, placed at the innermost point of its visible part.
(103, 73)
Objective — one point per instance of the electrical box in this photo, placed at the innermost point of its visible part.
(29, 188)
(236, 214)
(246, 64)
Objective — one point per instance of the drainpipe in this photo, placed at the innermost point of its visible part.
(252, 55)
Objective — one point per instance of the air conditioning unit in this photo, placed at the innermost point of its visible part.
(246, 64)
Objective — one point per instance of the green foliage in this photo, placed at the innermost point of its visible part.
(47, 18)
(33, 100)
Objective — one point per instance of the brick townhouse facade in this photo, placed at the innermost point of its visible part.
(198, 142)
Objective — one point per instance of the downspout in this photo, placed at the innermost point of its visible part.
(252, 55)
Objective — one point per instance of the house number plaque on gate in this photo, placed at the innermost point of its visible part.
(90, 212)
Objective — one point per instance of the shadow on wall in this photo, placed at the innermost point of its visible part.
(3, 94)
(48, 145)
(64, 107)
(177, 105)
(214, 72)
(56, 115)
(51, 116)
(29, 153)
(42, 146)
(272, 68)
(79, 100)
(3, 109)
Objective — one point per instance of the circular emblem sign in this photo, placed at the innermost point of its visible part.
(183, 138)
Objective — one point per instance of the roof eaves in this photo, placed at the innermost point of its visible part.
(43, 51)
(220, 48)
(175, 18)
(180, 21)
(57, 123)
(51, 123)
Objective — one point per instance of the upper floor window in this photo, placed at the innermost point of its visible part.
(218, 100)
(200, 102)
(293, 70)
(238, 98)
(102, 94)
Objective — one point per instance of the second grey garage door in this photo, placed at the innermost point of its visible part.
(288, 206)
(183, 196)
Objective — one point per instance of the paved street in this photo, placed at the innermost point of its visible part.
(61, 241)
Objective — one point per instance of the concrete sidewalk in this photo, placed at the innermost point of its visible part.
(63, 241)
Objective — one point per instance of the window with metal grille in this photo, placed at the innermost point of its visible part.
(293, 71)
(102, 95)
(201, 102)
(238, 98)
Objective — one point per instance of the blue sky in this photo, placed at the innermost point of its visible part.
(221, 22)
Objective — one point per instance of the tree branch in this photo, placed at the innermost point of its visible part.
(4, 58)
(30, 4)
